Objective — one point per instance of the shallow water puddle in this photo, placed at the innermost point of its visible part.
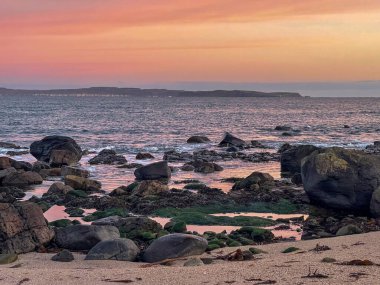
(58, 212)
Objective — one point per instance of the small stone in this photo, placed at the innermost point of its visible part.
(7, 258)
(63, 256)
(195, 261)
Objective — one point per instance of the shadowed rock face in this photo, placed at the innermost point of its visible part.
(231, 140)
(292, 157)
(84, 237)
(23, 228)
(174, 246)
(153, 171)
(341, 179)
(198, 139)
(56, 150)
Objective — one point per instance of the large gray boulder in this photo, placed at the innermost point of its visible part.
(23, 228)
(231, 140)
(84, 237)
(341, 179)
(291, 159)
(153, 171)
(56, 150)
(174, 246)
(117, 249)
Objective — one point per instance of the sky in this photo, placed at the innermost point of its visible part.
(72, 43)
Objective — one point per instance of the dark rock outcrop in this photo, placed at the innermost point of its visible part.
(23, 228)
(231, 140)
(108, 156)
(292, 157)
(144, 155)
(56, 150)
(341, 179)
(153, 171)
(174, 246)
(198, 139)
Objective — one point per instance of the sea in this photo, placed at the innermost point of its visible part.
(157, 124)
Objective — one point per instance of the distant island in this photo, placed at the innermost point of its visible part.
(149, 92)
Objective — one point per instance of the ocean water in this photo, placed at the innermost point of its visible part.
(156, 124)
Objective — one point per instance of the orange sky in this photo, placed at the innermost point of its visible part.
(125, 42)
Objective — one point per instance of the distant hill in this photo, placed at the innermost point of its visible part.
(148, 92)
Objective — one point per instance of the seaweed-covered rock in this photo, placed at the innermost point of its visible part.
(341, 179)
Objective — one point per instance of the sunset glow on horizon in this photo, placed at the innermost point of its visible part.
(122, 42)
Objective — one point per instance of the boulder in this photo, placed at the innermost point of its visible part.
(283, 128)
(76, 171)
(108, 156)
(63, 256)
(22, 179)
(349, 230)
(153, 171)
(230, 140)
(254, 181)
(204, 167)
(198, 139)
(9, 194)
(23, 228)
(39, 165)
(194, 261)
(115, 249)
(174, 246)
(56, 150)
(149, 188)
(21, 165)
(5, 162)
(130, 225)
(80, 183)
(144, 155)
(341, 179)
(60, 189)
(7, 258)
(292, 157)
(375, 203)
(9, 145)
(54, 172)
(84, 237)
(6, 172)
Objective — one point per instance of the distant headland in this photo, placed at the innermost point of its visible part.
(149, 92)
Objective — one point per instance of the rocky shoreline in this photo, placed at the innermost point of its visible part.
(337, 190)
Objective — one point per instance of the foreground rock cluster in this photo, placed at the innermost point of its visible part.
(339, 188)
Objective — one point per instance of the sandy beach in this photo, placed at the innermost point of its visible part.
(274, 267)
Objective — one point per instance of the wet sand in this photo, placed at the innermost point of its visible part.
(273, 268)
